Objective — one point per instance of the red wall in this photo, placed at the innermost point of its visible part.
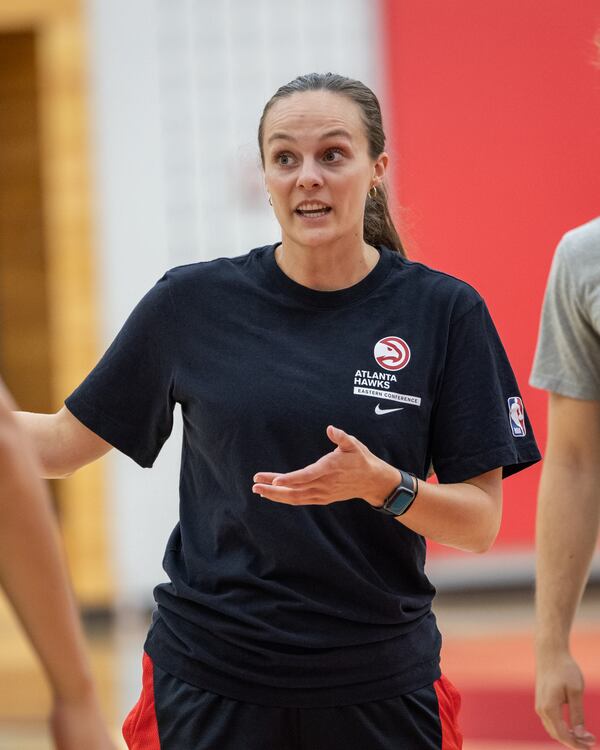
(493, 121)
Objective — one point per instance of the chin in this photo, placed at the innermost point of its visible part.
(315, 237)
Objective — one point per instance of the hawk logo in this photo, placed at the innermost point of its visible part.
(392, 353)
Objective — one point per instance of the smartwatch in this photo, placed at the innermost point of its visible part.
(402, 497)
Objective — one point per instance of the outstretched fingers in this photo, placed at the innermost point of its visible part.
(305, 495)
(307, 474)
(265, 477)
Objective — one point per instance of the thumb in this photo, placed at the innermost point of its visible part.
(343, 441)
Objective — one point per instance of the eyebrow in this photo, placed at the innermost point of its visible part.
(337, 133)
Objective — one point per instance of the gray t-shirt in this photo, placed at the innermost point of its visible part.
(567, 359)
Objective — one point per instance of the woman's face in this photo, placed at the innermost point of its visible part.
(317, 167)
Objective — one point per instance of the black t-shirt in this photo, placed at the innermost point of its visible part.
(310, 605)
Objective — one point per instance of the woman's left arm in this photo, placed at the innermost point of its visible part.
(465, 515)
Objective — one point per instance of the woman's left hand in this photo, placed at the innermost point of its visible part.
(349, 471)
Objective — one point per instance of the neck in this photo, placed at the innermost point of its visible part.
(337, 266)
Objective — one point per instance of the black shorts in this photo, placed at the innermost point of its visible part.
(174, 715)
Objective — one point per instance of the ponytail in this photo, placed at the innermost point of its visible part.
(378, 227)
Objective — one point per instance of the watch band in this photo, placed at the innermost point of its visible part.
(401, 497)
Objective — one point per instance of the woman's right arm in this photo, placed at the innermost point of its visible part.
(62, 443)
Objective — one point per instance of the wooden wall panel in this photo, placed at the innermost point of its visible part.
(59, 324)
(24, 336)
(26, 14)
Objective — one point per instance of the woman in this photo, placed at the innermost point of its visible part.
(318, 380)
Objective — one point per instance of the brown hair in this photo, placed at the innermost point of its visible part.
(378, 227)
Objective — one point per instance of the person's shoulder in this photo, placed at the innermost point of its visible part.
(438, 288)
(581, 244)
(214, 270)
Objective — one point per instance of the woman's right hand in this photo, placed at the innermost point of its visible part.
(77, 723)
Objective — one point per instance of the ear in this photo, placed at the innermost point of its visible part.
(267, 191)
(379, 169)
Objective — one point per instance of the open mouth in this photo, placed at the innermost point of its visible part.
(313, 211)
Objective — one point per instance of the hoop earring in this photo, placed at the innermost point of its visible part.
(270, 201)
(372, 192)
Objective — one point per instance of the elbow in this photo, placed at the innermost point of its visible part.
(488, 524)
(483, 546)
(55, 472)
(485, 541)
(14, 454)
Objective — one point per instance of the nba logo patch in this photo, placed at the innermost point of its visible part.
(516, 416)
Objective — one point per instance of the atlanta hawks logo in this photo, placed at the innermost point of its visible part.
(392, 353)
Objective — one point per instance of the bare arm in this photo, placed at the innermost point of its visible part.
(62, 443)
(568, 521)
(33, 574)
(465, 515)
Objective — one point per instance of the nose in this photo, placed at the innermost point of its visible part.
(309, 175)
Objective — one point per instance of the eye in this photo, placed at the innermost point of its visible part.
(333, 155)
(284, 159)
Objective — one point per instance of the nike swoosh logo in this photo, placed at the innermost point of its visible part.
(379, 410)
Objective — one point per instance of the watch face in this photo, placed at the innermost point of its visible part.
(402, 496)
(401, 499)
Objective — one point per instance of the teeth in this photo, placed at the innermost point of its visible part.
(312, 207)
(321, 212)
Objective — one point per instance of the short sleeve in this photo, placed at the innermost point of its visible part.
(479, 421)
(127, 399)
(567, 357)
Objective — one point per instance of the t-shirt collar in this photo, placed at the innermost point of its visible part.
(327, 299)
